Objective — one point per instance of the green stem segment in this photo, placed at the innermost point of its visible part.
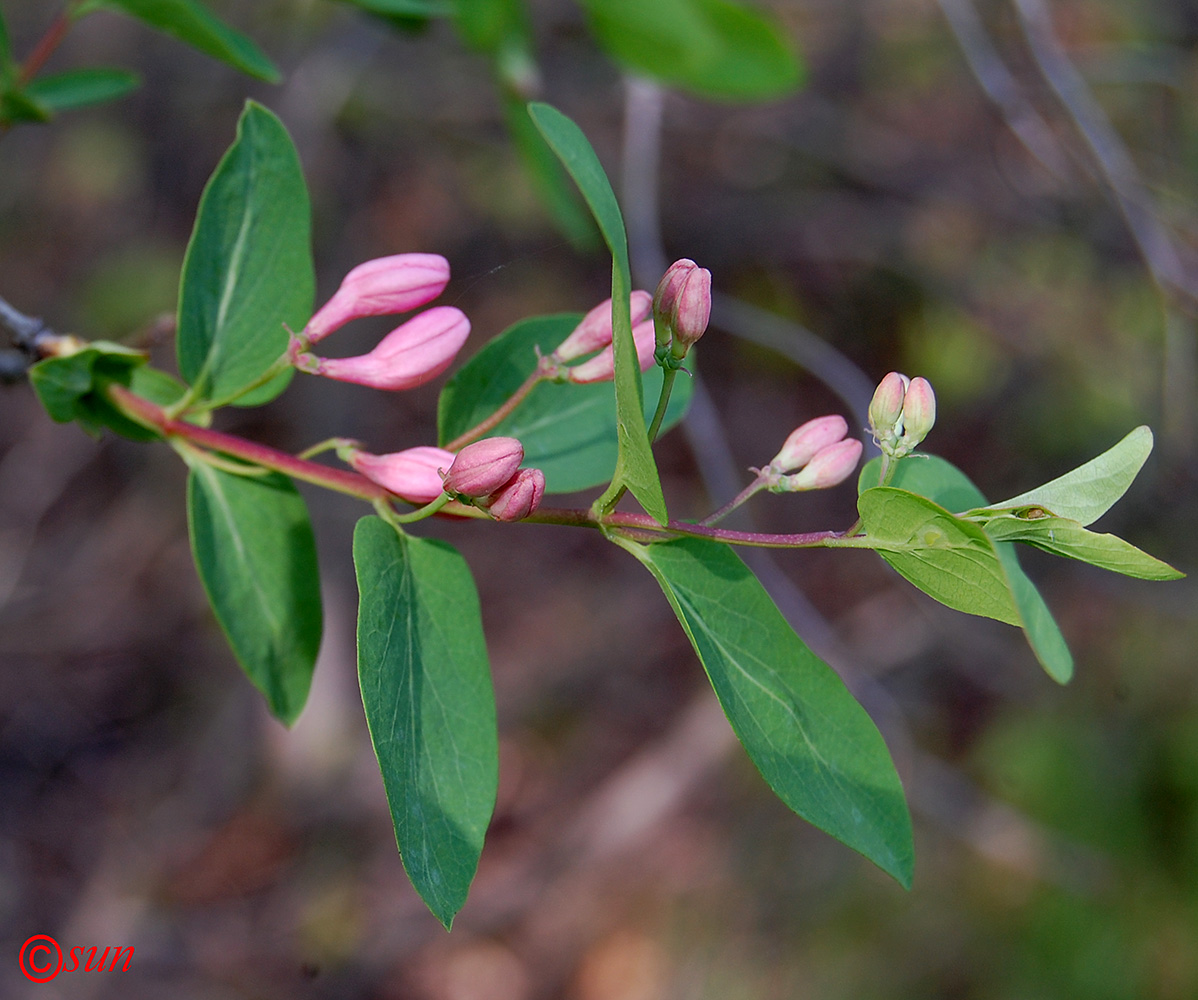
(663, 402)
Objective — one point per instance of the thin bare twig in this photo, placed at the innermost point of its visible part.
(1156, 245)
(1002, 88)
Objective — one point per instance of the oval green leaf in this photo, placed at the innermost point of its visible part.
(568, 431)
(960, 573)
(1090, 490)
(1063, 537)
(810, 739)
(248, 269)
(253, 546)
(430, 707)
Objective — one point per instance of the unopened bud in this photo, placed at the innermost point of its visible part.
(806, 440)
(919, 412)
(381, 287)
(886, 408)
(483, 467)
(414, 474)
(594, 332)
(682, 305)
(410, 355)
(602, 367)
(519, 498)
(829, 466)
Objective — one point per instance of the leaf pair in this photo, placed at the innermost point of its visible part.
(967, 562)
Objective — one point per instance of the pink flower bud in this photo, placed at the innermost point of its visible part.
(520, 497)
(806, 440)
(692, 310)
(887, 406)
(381, 287)
(485, 466)
(682, 304)
(410, 355)
(666, 293)
(414, 474)
(919, 412)
(829, 466)
(602, 367)
(594, 332)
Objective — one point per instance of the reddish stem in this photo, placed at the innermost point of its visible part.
(344, 481)
(44, 48)
(341, 480)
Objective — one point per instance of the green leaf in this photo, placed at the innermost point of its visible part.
(60, 382)
(1090, 490)
(253, 546)
(81, 87)
(635, 467)
(568, 431)
(947, 558)
(950, 489)
(16, 107)
(193, 23)
(810, 739)
(711, 47)
(426, 689)
(248, 269)
(71, 387)
(1067, 538)
(930, 476)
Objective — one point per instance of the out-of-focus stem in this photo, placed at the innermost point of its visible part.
(44, 48)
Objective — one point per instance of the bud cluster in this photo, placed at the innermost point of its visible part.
(681, 308)
(485, 474)
(901, 413)
(820, 452)
(594, 333)
(412, 353)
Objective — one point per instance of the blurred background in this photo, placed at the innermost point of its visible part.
(999, 196)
